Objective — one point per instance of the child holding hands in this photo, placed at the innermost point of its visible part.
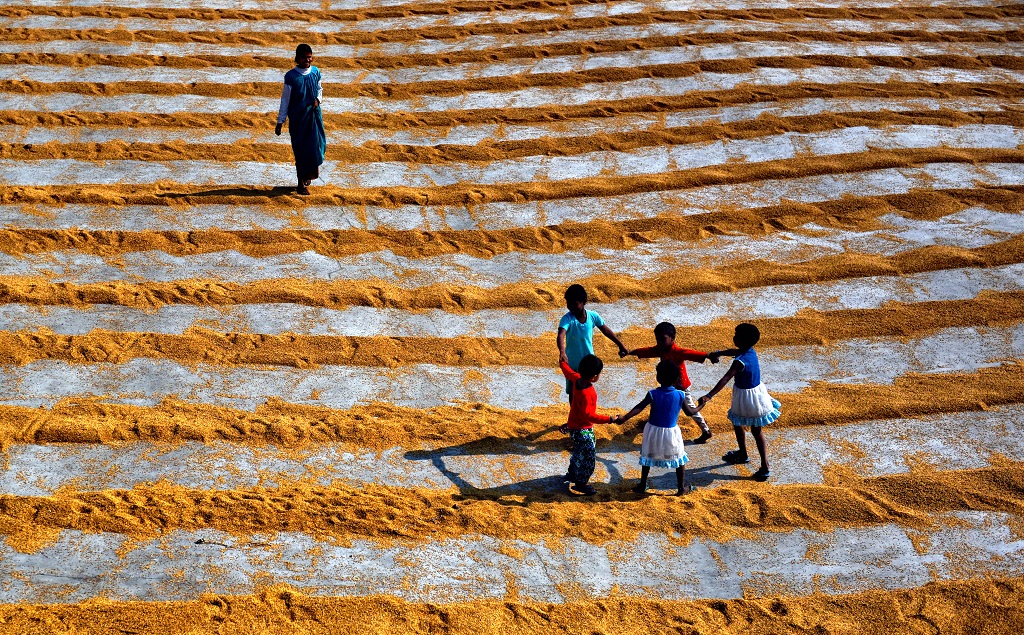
(667, 349)
(662, 445)
(582, 417)
(576, 332)
(751, 404)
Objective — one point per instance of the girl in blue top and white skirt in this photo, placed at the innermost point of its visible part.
(663, 442)
(752, 406)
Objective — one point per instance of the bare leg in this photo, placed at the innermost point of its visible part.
(645, 471)
(735, 457)
(691, 406)
(680, 479)
(762, 447)
(741, 439)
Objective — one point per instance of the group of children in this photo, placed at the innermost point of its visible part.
(662, 444)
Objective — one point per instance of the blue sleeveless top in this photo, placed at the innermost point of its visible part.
(666, 404)
(750, 376)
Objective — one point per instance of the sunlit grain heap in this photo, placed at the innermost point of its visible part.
(228, 408)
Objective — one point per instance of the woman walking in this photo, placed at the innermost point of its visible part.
(300, 104)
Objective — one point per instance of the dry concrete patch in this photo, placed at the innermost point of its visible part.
(474, 70)
(520, 98)
(646, 161)
(468, 43)
(612, 8)
(144, 381)
(692, 310)
(969, 229)
(184, 564)
(475, 134)
(491, 216)
(956, 441)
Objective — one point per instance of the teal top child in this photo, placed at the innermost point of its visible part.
(576, 331)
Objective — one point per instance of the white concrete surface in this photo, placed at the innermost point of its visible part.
(689, 201)
(475, 134)
(183, 564)
(972, 228)
(643, 161)
(963, 545)
(472, 42)
(613, 8)
(521, 98)
(786, 369)
(953, 441)
(691, 310)
(490, 69)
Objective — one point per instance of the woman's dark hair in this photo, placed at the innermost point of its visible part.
(666, 328)
(590, 365)
(301, 50)
(747, 335)
(576, 293)
(668, 372)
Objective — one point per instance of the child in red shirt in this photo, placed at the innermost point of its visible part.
(667, 349)
(582, 417)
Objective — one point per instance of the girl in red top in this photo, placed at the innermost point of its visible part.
(668, 350)
(582, 417)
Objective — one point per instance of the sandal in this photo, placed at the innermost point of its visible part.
(762, 474)
(735, 457)
(688, 489)
(703, 438)
(303, 191)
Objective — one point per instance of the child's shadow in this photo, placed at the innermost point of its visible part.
(696, 476)
(493, 446)
(554, 488)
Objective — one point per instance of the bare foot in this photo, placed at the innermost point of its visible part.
(640, 489)
(303, 190)
(686, 490)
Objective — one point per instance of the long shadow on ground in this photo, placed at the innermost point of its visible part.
(554, 488)
(244, 192)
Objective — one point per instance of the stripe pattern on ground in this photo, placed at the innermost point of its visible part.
(203, 371)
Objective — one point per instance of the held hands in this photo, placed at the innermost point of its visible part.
(703, 400)
(714, 356)
(564, 428)
(277, 130)
(562, 358)
(623, 351)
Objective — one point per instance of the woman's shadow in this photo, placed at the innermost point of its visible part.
(234, 192)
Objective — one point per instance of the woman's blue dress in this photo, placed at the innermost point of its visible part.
(306, 123)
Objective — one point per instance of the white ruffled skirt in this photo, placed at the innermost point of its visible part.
(662, 447)
(753, 407)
